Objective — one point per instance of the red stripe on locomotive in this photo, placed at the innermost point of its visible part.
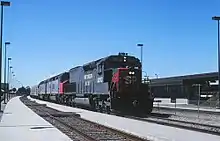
(61, 86)
(116, 76)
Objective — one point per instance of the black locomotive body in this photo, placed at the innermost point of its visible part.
(110, 83)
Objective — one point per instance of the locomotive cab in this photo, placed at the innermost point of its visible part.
(127, 91)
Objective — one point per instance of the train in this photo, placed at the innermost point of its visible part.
(112, 83)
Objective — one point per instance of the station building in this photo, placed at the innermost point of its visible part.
(202, 86)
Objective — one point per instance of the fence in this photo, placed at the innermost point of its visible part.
(198, 108)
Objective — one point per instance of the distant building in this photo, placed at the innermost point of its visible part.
(185, 86)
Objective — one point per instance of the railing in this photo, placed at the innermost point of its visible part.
(205, 109)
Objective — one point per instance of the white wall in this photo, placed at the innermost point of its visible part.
(168, 101)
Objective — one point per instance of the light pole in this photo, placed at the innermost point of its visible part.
(9, 59)
(141, 46)
(3, 3)
(11, 77)
(218, 19)
(10, 71)
(5, 92)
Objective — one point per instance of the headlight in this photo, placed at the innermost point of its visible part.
(131, 72)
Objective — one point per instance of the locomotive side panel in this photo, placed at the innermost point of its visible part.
(101, 86)
(75, 76)
(92, 82)
(54, 86)
(89, 78)
(42, 88)
(82, 82)
(48, 87)
(94, 78)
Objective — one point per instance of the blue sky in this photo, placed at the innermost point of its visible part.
(49, 37)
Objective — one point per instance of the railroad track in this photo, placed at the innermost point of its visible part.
(208, 117)
(205, 128)
(77, 128)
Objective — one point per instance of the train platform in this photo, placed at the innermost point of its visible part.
(19, 123)
(151, 131)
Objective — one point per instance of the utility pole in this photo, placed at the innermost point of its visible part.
(3, 3)
(218, 19)
(141, 46)
(7, 97)
(5, 82)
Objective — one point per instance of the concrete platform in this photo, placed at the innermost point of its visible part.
(18, 121)
(150, 131)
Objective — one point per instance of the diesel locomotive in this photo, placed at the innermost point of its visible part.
(110, 83)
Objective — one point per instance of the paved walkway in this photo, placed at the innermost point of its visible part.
(18, 121)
